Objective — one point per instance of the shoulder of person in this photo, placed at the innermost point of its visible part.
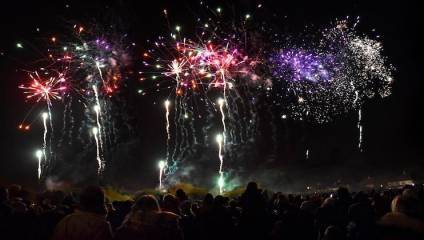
(402, 221)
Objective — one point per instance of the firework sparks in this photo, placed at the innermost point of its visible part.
(95, 132)
(168, 133)
(197, 69)
(332, 76)
(39, 155)
(167, 104)
(221, 183)
(98, 111)
(46, 90)
(162, 165)
(221, 103)
(308, 79)
(360, 130)
(45, 116)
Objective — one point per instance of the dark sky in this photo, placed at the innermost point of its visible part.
(393, 126)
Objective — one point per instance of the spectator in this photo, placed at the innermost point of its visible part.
(405, 221)
(146, 221)
(322, 216)
(170, 204)
(181, 195)
(89, 221)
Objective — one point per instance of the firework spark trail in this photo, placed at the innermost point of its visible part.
(307, 154)
(359, 122)
(95, 132)
(39, 155)
(98, 111)
(64, 123)
(360, 129)
(100, 72)
(221, 103)
(193, 129)
(51, 130)
(185, 144)
(219, 140)
(231, 126)
(72, 123)
(177, 112)
(179, 132)
(181, 124)
(252, 127)
(168, 134)
(45, 116)
(239, 112)
(162, 166)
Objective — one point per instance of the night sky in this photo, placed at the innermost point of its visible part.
(392, 126)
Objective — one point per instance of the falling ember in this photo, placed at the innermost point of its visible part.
(95, 131)
(219, 140)
(24, 127)
(39, 155)
(162, 165)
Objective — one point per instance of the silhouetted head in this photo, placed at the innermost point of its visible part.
(208, 200)
(147, 203)
(186, 208)
(409, 204)
(343, 193)
(233, 203)
(219, 201)
(328, 202)
(69, 200)
(92, 199)
(181, 195)
(57, 197)
(170, 203)
(15, 191)
(333, 233)
(252, 187)
(361, 197)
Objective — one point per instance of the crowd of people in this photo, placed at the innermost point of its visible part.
(255, 214)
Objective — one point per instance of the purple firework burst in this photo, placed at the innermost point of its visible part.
(299, 65)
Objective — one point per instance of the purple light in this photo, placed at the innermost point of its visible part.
(298, 65)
